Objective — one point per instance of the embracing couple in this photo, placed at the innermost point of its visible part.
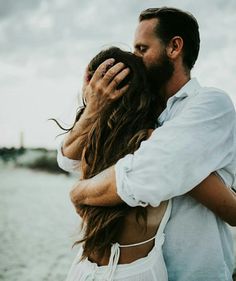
(157, 156)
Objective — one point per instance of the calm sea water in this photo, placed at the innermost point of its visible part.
(38, 225)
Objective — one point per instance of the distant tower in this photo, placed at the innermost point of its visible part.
(21, 139)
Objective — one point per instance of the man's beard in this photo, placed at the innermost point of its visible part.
(158, 75)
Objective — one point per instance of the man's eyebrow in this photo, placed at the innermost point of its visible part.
(137, 45)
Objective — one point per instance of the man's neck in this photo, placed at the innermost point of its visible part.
(176, 82)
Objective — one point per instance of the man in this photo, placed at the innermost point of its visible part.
(196, 138)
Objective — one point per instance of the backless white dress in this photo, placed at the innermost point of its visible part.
(150, 268)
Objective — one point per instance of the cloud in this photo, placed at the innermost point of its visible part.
(10, 8)
(45, 46)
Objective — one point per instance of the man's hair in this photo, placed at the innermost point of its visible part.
(174, 22)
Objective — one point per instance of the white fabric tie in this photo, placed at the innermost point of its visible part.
(115, 248)
(113, 261)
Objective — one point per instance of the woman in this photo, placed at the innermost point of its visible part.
(121, 234)
(118, 130)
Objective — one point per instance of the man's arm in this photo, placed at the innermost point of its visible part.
(178, 155)
(97, 191)
(181, 153)
(211, 192)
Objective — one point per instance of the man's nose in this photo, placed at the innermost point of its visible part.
(137, 53)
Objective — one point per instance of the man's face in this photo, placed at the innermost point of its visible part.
(153, 52)
(146, 44)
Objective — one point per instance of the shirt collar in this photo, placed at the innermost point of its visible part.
(189, 89)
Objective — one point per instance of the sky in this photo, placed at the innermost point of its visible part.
(45, 46)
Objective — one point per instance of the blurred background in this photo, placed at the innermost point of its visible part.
(45, 46)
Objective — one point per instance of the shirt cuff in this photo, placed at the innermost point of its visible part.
(66, 164)
(124, 190)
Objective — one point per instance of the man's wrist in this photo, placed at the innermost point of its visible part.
(99, 190)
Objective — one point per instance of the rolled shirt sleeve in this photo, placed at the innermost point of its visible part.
(66, 164)
(181, 153)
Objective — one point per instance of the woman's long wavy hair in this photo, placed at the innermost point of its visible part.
(118, 130)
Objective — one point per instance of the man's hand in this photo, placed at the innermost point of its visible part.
(97, 191)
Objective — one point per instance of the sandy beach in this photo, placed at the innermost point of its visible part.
(38, 225)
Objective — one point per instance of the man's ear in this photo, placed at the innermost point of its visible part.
(174, 47)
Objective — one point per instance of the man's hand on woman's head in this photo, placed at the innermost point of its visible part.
(101, 88)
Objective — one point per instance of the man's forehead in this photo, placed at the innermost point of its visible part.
(145, 28)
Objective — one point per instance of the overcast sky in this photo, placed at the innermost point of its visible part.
(45, 46)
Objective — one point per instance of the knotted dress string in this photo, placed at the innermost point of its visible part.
(115, 248)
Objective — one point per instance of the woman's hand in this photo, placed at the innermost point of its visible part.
(102, 87)
(97, 92)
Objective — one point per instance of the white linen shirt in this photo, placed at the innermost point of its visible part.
(197, 137)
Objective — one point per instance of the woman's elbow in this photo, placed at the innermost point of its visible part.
(69, 152)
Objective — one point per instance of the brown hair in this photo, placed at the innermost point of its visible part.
(174, 22)
(119, 129)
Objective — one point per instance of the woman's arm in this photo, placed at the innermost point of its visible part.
(220, 199)
(75, 140)
(96, 92)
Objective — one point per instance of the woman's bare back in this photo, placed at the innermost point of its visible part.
(134, 232)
